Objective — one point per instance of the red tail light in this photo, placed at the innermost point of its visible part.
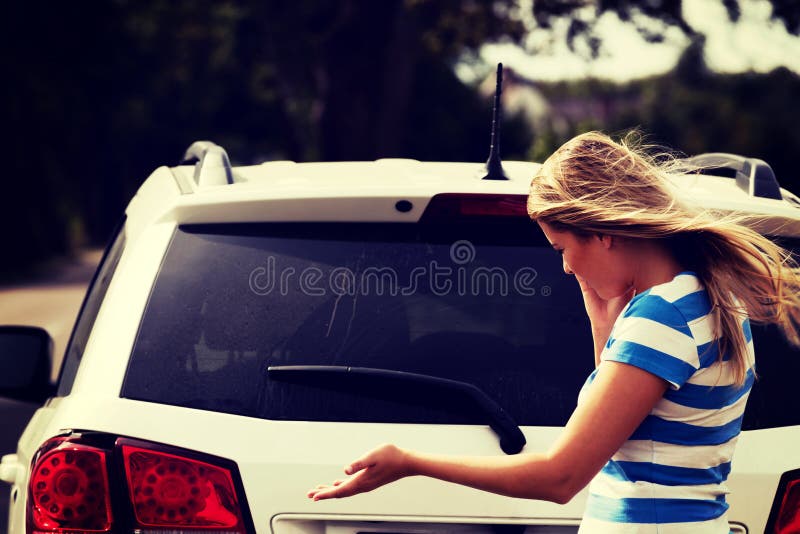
(74, 485)
(785, 516)
(172, 492)
(69, 489)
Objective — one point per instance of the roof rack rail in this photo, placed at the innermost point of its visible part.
(753, 175)
(213, 166)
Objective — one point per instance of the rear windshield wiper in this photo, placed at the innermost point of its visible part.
(512, 440)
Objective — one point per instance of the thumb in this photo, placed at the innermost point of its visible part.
(362, 463)
(582, 283)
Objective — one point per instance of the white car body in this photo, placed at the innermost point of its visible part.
(280, 460)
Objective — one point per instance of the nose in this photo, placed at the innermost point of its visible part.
(566, 266)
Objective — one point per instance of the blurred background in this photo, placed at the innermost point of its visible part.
(97, 94)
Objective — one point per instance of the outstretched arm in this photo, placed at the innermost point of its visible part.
(619, 399)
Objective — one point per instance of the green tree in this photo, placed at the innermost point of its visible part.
(100, 93)
(692, 110)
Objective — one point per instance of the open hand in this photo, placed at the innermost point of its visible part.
(377, 468)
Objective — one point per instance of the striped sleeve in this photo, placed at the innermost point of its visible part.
(653, 334)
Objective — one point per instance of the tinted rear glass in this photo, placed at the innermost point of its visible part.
(483, 303)
(774, 400)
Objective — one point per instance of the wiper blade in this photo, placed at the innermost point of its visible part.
(512, 440)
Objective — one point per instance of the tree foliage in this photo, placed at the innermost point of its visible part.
(583, 16)
(100, 93)
(691, 110)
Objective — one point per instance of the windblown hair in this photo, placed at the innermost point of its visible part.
(593, 185)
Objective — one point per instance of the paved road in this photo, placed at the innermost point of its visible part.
(51, 301)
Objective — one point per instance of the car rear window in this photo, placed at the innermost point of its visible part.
(483, 303)
(774, 401)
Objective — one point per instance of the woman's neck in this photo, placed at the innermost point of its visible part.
(656, 265)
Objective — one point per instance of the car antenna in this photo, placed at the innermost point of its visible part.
(494, 167)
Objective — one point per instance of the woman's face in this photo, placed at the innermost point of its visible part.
(597, 259)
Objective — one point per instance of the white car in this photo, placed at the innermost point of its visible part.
(251, 330)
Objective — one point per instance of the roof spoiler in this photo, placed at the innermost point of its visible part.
(753, 175)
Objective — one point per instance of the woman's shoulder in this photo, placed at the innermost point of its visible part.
(683, 296)
(684, 283)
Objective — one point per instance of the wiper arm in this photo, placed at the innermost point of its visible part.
(512, 440)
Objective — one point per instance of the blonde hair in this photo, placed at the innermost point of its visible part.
(593, 185)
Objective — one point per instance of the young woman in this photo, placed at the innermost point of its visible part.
(668, 289)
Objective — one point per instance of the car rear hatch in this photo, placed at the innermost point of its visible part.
(471, 294)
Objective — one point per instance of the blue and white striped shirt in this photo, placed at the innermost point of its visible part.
(669, 477)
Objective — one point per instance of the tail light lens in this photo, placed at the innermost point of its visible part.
(69, 489)
(455, 206)
(168, 489)
(785, 516)
(177, 493)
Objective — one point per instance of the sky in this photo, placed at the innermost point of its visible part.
(754, 43)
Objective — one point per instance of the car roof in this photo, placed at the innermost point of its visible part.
(364, 178)
(369, 190)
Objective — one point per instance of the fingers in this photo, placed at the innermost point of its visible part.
(321, 490)
(376, 468)
(337, 490)
(321, 487)
(586, 288)
(319, 494)
(328, 493)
